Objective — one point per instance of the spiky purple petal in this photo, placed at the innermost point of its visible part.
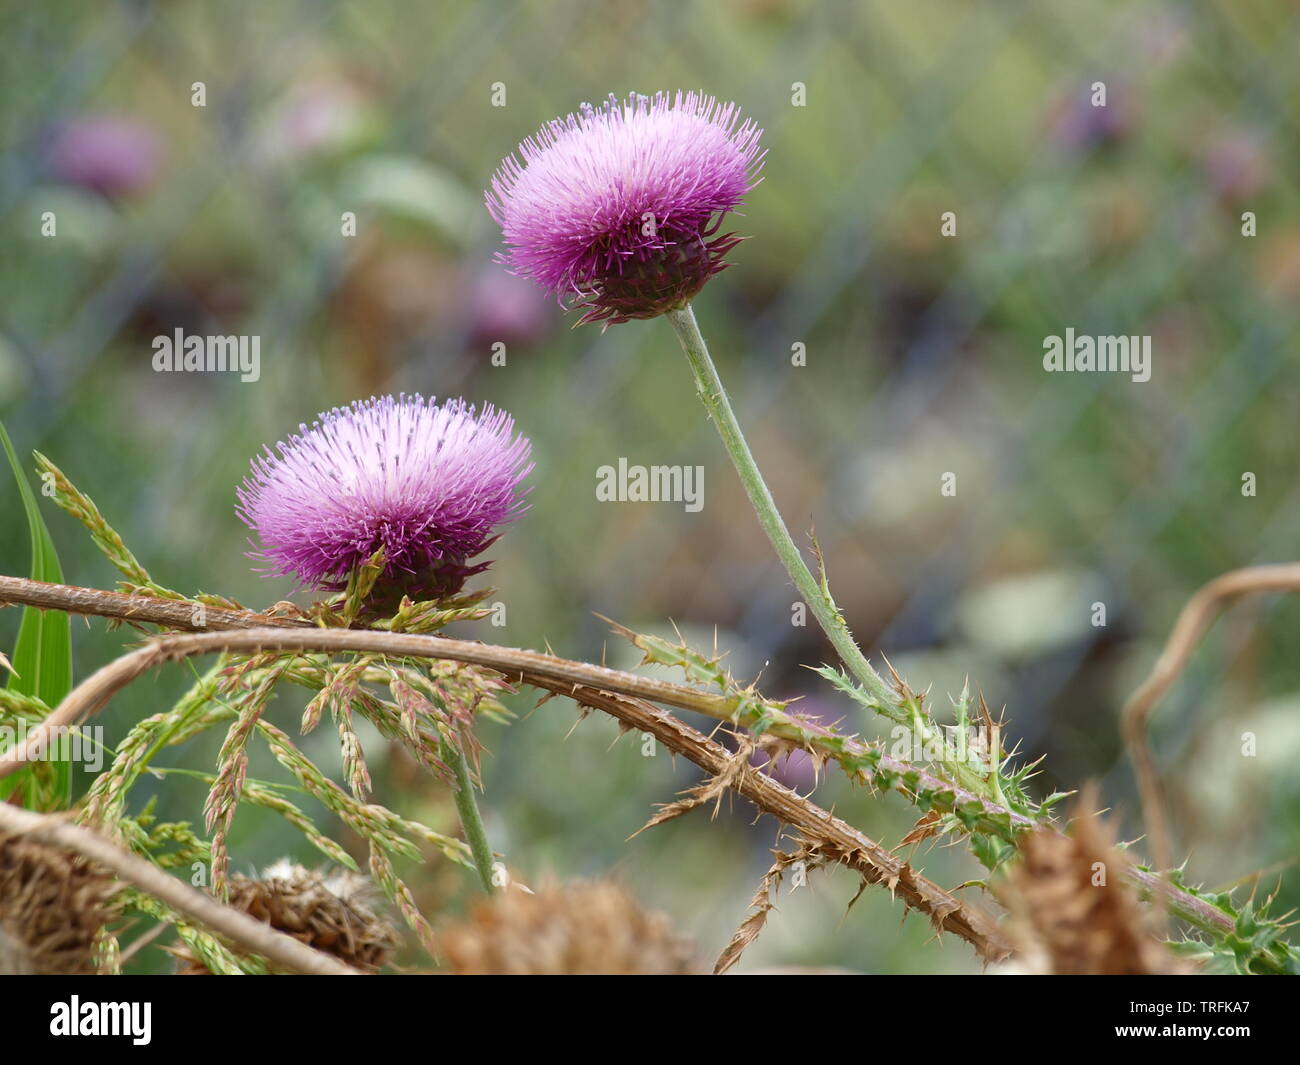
(574, 206)
(429, 484)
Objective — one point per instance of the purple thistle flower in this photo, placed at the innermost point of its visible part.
(428, 484)
(618, 207)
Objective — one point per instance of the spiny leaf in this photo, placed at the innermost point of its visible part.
(698, 668)
(764, 902)
(843, 683)
(1254, 944)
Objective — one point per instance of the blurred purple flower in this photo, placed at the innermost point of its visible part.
(112, 156)
(428, 484)
(795, 767)
(1238, 164)
(1079, 126)
(321, 117)
(618, 207)
(507, 310)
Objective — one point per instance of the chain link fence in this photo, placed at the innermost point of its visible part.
(975, 511)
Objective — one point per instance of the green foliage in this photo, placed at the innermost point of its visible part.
(968, 756)
(432, 704)
(168, 844)
(985, 801)
(698, 668)
(137, 579)
(430, 709)
(1255, 945)
(105, 537)
(42, 657)
(214, 954)
(966, 801)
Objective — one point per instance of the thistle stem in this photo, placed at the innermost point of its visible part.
(714, 397)
(244, 630)
(471, 821)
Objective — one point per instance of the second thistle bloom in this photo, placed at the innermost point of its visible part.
(618, 207)
(427, 484)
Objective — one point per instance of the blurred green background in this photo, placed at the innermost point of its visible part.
(923, 357)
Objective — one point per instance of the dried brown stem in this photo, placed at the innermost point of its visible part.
(137, 609)
(509, 661)
(559, 675)
(1197, 615)
(233, 924)
(871, 861)
(864, 856)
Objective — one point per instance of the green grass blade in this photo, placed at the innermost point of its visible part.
(42, 657)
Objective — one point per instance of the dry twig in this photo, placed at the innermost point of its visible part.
(623, 695)
(256, 937)
(1193, 621)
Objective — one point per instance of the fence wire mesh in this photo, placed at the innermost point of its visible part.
(924, 352)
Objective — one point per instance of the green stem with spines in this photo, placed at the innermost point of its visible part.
(714, 397)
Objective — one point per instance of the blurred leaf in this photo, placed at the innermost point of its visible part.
(420, 192)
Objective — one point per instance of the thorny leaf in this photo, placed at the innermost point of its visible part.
(926, 828)
(710, 790)
(763, 902)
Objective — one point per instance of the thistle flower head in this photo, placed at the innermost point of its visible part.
(569, 929)
(1063, 921)
(426, 484)
(618, 207)
(116, 157)
(331, 911)
(53, 906)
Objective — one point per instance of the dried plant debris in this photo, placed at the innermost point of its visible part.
(1072, 913)
(53, 908)
(334, 912)
(570, 929)
(805, 858)
(711, 790)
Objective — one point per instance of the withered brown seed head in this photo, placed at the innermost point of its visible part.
(331, 912)
(53, 905)
(578, 928)
(1064, 920)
